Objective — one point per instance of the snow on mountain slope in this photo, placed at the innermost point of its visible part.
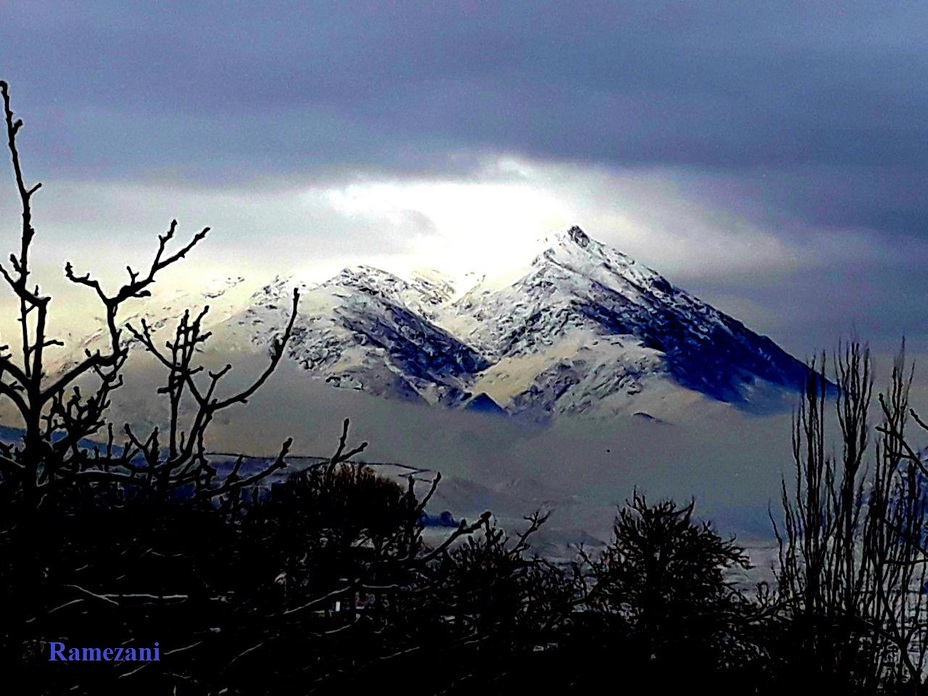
(224, 296)
(368, 330)
(587, 329)
(581, 329)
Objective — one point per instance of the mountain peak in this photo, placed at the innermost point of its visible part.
(569, 239)
(577, 235)
(575, 251)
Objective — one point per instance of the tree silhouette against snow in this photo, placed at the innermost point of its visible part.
(53, 470)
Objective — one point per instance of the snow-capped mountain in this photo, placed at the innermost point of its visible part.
(366, 329)
(585, 324)
(580, 329)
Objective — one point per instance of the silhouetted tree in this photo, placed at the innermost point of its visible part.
(663, 599)
(852, 566)
(58, 491)
(484, 614)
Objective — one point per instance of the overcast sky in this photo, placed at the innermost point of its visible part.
(770, 156)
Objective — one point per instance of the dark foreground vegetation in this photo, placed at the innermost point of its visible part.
(326, 582)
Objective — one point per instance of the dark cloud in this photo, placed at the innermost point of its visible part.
(814, 309)
(320, 84)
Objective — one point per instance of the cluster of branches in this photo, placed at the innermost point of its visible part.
(59, 411)
(328, 583)
(853, 569)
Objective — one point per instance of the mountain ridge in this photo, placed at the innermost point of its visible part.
(581, 329)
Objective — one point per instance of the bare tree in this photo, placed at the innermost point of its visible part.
(58, 416)
(661, 585)
(851, 549)
(54, 463)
